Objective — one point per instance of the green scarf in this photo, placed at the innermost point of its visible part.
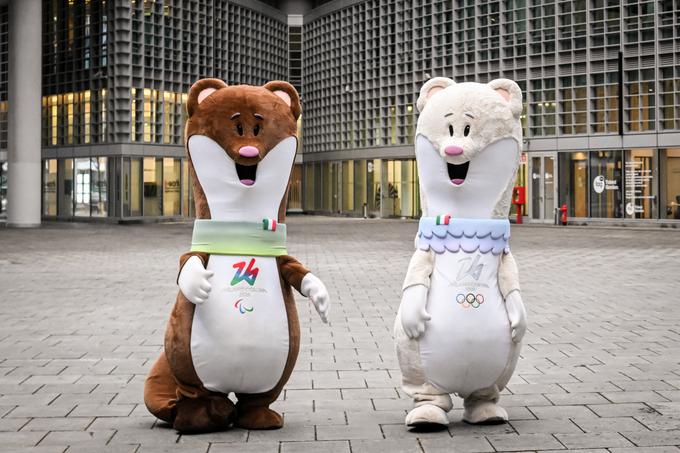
(219, 237)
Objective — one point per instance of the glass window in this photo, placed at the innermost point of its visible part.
(606, 194)
(295, 189)
(82, 187)
(327, 187)
(410, 191)
(132, 186)
(187, 191)
(50, 187)
(573, 186)
(171, 186)
(359, 185)
(3, 187)
(640, 190)
(373, 187)
(348, 186)
(670, 182)
(153, 171)
(309, 187)
(318, 186)
(65, 187)
(99, 187)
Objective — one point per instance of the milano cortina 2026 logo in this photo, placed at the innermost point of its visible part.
(244, 274)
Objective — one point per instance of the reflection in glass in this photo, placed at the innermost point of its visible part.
(536, 187)
(359, 185)
(548, 186)
(186, 189)
(82, 187)
(295, 189)
(348, 186)
(670, 182)
(65, 187)
(132, 186)
(153, 170)
(309, 186)
(573, 168)
(99, 187)
(373, 186)
(3, 186)
(171, 186)
(606, 194)
(50, 187)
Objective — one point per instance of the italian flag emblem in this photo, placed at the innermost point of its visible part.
(443, 219)
(269, 224)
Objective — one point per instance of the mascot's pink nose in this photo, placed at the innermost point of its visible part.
(453, 150)
(251, 151)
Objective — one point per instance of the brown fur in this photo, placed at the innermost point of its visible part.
(173, 391)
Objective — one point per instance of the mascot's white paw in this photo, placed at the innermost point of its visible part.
(427, 414)
(413, 312)
(517, 315)
(193, 281)
(485, 412)
(314, 288)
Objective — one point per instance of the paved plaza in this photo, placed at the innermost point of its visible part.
(83, 310)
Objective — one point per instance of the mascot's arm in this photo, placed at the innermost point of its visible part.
(414, 298)
(419, 269)
(308, 284)
(508, 284)
(193, 278)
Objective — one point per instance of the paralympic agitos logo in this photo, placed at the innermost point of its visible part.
(248, 274)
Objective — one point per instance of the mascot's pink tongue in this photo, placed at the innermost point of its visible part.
(458, 181)
(247, 182)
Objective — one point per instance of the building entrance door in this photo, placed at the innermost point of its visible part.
(543, 188)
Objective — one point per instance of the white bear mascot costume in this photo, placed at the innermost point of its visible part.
(461, 319)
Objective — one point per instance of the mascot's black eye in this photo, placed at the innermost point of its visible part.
(466, 132)
(256, 130)
(239, 129)
(450, 130)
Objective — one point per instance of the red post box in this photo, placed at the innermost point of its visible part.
(519, 199)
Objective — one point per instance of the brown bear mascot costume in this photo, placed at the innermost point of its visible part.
(234, 327)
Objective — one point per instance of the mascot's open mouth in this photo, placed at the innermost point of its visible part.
(246, 173)
(457, 173)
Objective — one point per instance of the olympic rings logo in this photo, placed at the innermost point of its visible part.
(469, 300)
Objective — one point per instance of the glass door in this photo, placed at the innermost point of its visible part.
(543, 189)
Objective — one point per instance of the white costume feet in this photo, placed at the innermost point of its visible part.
(427, 415)
(484, 413)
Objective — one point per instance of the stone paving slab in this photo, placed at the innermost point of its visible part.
(83, 310)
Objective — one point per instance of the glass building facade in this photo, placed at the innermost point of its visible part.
(601, 83)
(115, 78)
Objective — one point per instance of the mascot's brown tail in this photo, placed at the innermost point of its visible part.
(160, 390)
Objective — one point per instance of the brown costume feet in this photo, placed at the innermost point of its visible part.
(204, 414)
(259, 417)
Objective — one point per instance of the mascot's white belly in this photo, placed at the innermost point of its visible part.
(239, 336)
(466, 345)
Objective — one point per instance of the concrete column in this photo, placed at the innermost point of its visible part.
(24, 126)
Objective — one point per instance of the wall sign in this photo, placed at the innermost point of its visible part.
(638, 182)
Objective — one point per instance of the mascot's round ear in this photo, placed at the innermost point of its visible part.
(201, 90)
(432, 87)
(510, 92)
(288, 93)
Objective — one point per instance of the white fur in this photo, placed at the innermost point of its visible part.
(437, 359)
(491, 118)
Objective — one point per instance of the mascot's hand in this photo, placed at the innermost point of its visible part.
(193, 281)
(413, 313)
(517, 315)
(314, 288)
